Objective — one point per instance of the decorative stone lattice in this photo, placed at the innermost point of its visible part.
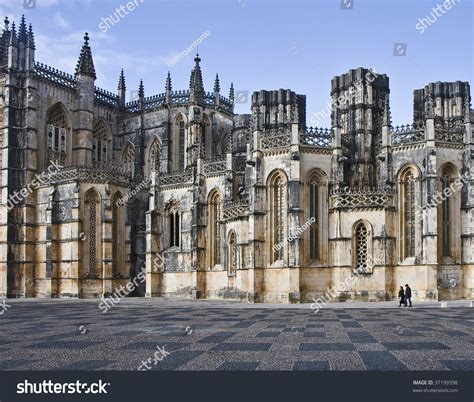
(452, 132)
(407, 134)
(361, 198)
(361, 248)
(214, 166)
(89, 174)
(92, 233)
(235, 210)
(276, 137)
(318, 137)
(173, 178)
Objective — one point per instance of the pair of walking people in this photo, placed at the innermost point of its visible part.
(404, 296)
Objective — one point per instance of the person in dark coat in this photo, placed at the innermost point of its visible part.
(407, 294)
(401, 297)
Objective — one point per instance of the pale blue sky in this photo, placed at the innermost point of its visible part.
(259, 44)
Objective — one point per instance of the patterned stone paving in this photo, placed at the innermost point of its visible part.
(75, 334)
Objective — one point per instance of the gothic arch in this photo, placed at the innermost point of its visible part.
(232, 257)
(177, 144)
(316, 217)
(101, 142)
(92, 257)
(277, 209)
(118, 233)
(58, 138)
(449, 223)
(409, 203)
(173, 216)
(153, 155)
(128, 158)
(362, 247)
(215, 215)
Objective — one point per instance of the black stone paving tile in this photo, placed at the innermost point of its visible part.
(244, 324)
(311, 365)
(415, 346)
(85, 365)
(351, 324)
(176, 359)
(464, 365)
(378, 360)
(319, 334)
(452, 332)
(361, 337)
(237, 347)
(65, 344)
(331, 347)
(268, 334)
(217, 337)
(13, 364)
(238, 366)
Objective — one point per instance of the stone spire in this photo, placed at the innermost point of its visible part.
(231, 93)
(217, 84)
(31, 38)
(141, 90)
(121, 88)
(168, 83)
(196, 87)
(6, 23)
(22, 33)
(85, 65)
(121, 82)
(13, 37)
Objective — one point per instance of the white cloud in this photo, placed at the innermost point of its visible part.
(60, 21)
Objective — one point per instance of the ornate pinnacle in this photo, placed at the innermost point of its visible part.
(231, 93)
(22, 33)
(31, 37)
(141, 90)
(217, 84)
(85, 65)
(168, 83)
(6, 24)
(121, 83)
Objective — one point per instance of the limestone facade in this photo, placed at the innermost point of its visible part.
(211, 204)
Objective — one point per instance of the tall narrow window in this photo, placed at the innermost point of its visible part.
(277, 217)
(361, 243)
(448, 175)
(215, 216)
(129, 158)
(408, 200)
(181, 145)
(92, 201)
(175, 227)
(56, 135)
(314, 218)
(232, 254)
(116, 227)
(155, 156)
(100, 143)
(409, 189)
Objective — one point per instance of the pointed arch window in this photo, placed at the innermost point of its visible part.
(129, 158)
(361, 248)
(93, 231)
(277, 217)
(155, 157)
(232, 254)
(174, 218)
(100, 143)
(314, 219)
(215, 217)
(181, 144)
(408, 202)
(56, 135)
(448, 201)
(118, 227)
